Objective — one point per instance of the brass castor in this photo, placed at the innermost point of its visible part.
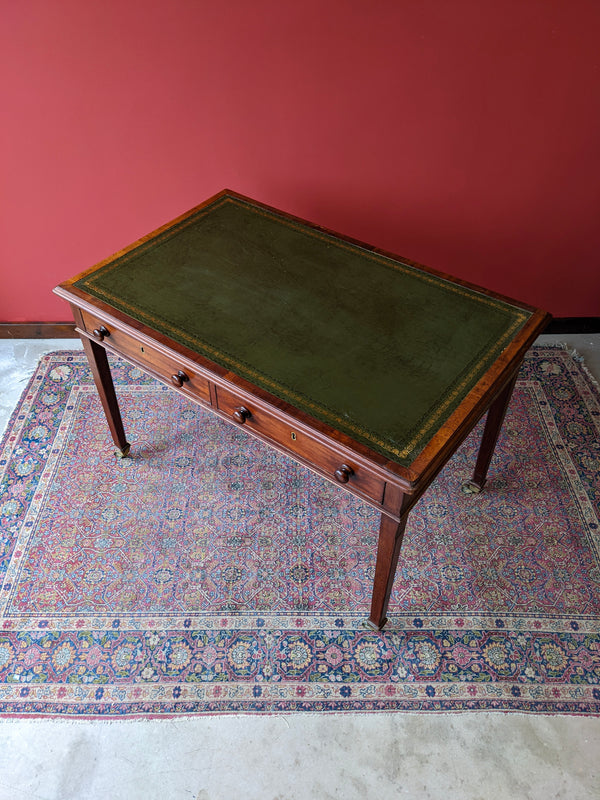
(124, 452)
(366, 623)
(470, 487)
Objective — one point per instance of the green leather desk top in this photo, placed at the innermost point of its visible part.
(378, 349)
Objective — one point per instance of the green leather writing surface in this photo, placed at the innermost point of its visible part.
(379, 350)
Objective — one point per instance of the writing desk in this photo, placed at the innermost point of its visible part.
(368, 369)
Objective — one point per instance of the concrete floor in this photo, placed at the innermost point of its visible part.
(473, 756)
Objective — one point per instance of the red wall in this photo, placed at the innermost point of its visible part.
(464, 134)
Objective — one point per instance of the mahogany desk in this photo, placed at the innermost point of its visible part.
(368, 369)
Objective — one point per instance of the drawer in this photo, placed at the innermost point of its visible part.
(166, 366)
(297, 442)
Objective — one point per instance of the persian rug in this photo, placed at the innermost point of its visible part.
(209, 574)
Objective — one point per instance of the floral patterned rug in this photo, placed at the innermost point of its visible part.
(209, 574)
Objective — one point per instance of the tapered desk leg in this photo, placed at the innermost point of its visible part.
(491, 431)
(104, 384)
(391, 534)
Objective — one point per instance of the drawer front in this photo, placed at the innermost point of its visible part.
(327, 459)
(170, 368)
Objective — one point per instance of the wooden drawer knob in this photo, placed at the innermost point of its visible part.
(343, 473)
(241, 414)
(101, 332)
(179, 378)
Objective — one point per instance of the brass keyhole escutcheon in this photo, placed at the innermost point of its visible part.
(294, 437)
(141, 349)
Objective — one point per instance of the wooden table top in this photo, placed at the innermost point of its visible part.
(378, 348)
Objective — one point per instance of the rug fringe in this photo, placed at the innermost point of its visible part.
(584, 368)
(576, 356)
(180, 720)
